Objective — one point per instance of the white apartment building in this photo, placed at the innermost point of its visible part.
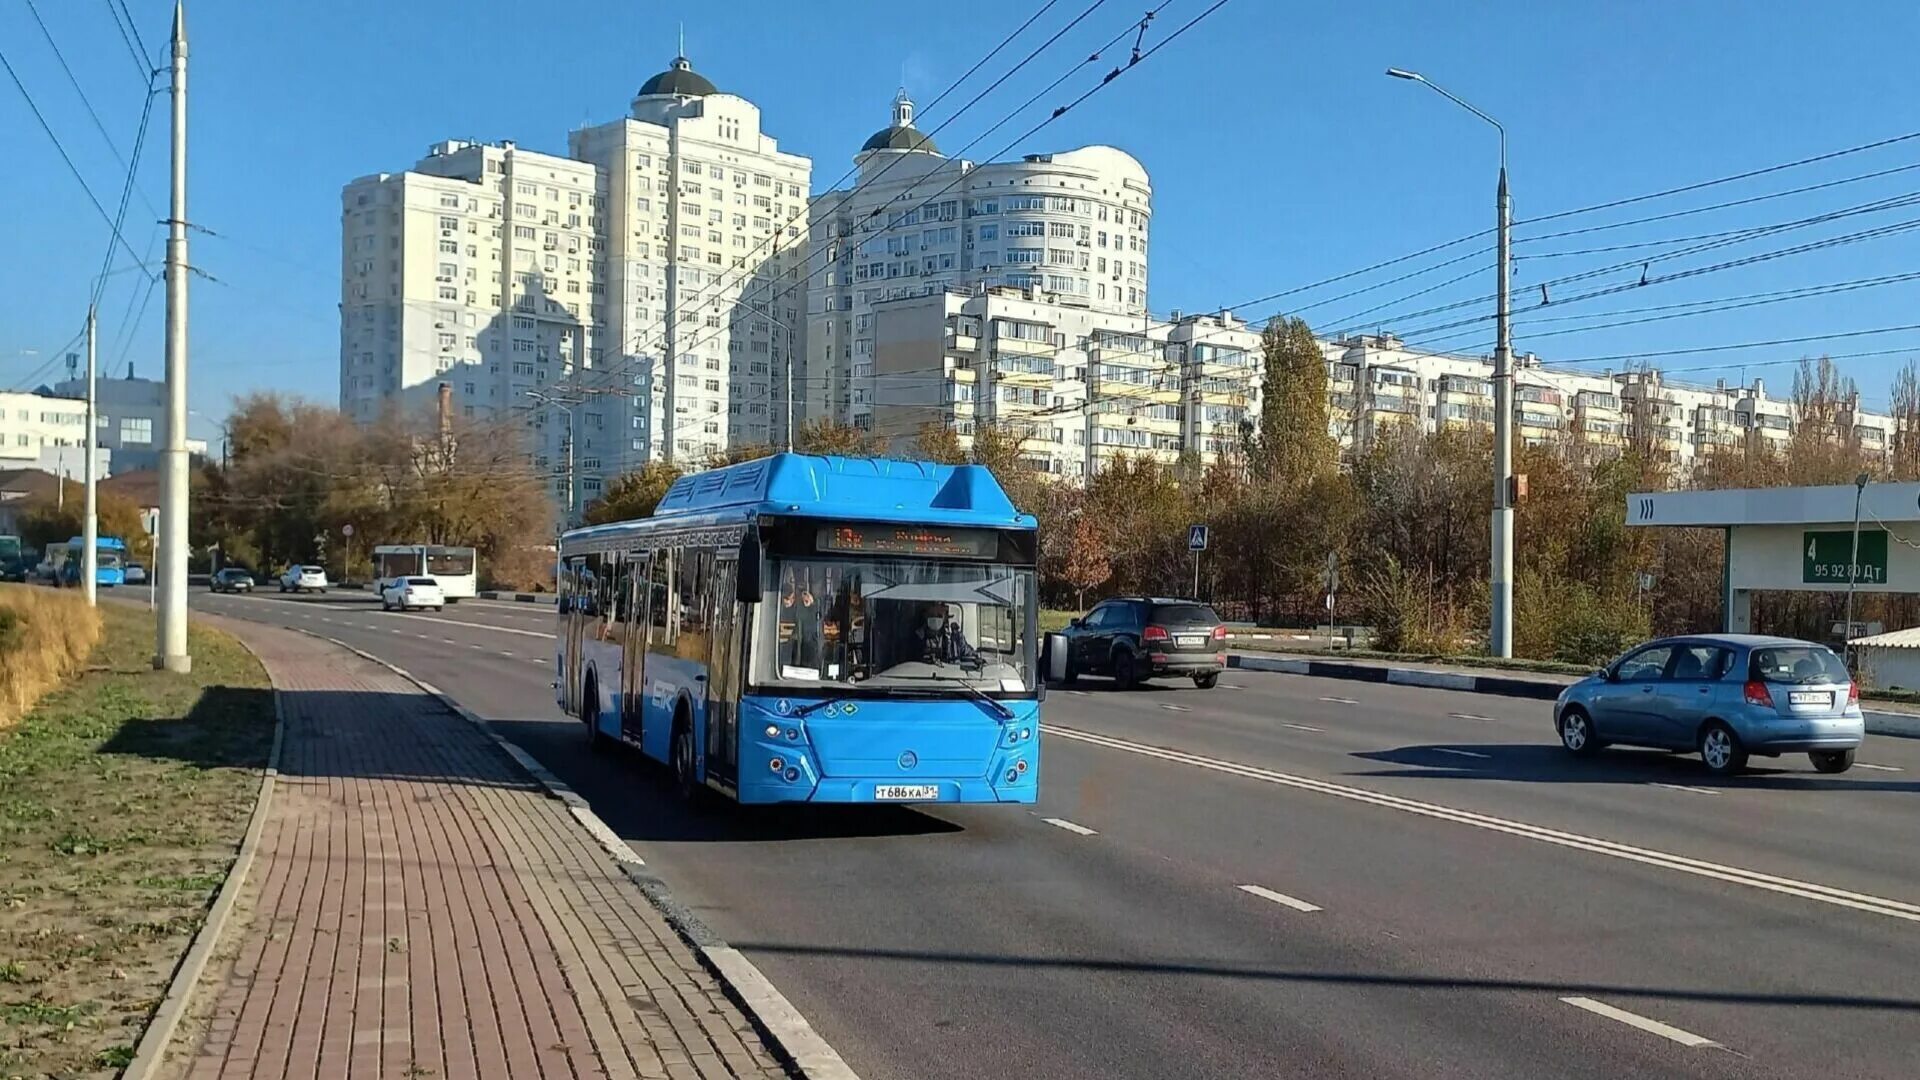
(1375, 380)
(1082, 386)
(478, 268)
(705, 235)
(1070, 226)
(39, 431)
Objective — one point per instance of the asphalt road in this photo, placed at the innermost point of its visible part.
(1283, 876)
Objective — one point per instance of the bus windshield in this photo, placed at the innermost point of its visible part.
(880, 622)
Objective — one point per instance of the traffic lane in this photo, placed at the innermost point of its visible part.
(469, 613)
(762, 885)
(1152, 987)
(1855, 827)
(1462, 909)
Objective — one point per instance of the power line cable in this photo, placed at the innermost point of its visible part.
(99, 126)
(61, 147)
(129, 34)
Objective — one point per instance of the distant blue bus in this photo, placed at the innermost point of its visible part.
(111, 558)
(814, 629)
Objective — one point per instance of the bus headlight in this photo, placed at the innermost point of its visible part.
(773, 731)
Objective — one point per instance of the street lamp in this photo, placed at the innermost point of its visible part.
(569, 410)
(1500, 634)
(1853, 565)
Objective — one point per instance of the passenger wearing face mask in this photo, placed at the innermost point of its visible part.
(941, 638)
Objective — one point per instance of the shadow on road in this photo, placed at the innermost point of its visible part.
(1228, 969)
(1548, 763)
(635, 796)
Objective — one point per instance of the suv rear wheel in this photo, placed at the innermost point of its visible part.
(1125, 674)
(1207, 681)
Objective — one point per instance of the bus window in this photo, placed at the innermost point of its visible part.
(612, 576)
(659, 599)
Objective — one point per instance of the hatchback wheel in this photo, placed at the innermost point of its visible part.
(1831, 761)
(1576, 732)
(1720, 750)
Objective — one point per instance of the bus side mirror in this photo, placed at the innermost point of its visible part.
(747, 577)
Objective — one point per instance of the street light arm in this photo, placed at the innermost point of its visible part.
(1414, 76)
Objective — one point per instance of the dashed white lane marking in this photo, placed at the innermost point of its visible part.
(1063, 823)
(1665, 1031)
(422, 637)
(510, 656)
(1231, 686)
(1279, 898)
(1878, 768)
(323, 618)
(1078, 693)
(1752, 879)
(1473, 716)
(1683, 787)
(1303, 727)
(1458, 753)
(1176, 708)
(1341, 700)
(450, 641)
(477, 645)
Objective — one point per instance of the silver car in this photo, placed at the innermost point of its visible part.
(1725, 695)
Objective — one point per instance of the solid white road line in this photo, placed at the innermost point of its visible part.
(1176, 708)
(1063, 823)
(1752, 879)
(1473, 716)
(1279, 898)
(1458, 753)
(1341, 700)
(1878, 768)
(1303, 727)
(1665, 1031)
(469, 625)
(1683, 787)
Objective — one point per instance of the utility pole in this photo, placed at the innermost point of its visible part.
(90, 527)
(1853, 564)
(1500, 633)
(170, 564)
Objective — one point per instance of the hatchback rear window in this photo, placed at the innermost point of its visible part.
(421, 581)
(1185, 615)
(311, 570)
(1798, 664)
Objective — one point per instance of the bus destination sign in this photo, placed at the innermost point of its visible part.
(923, 540)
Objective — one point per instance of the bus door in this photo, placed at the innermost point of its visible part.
(633, 640)
(574, 632)
(725, 672)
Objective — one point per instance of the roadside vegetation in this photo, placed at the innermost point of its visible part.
(124, 793)
(45, 637)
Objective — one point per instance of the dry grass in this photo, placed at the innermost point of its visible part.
(123, 796)
(45, 637)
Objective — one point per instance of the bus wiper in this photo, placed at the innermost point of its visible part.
(805, 710)
(979, 695)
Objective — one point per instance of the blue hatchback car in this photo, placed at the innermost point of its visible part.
(1725, 695)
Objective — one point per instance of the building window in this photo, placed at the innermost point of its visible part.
(133, 429)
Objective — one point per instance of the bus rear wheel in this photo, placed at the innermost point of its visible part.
(589, 709)
(685, 784)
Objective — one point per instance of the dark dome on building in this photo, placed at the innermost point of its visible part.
(900, 138)
(680, 80)
(901, 134)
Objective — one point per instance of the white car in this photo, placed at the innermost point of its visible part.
(136, 574)
(304, 579)
(412, 592)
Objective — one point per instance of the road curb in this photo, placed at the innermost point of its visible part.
(782, 1025)
(1896, 725)
(152, 1049)
(518, 597)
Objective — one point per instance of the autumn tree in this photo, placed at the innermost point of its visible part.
(633, 494)
(825, 436)
(1293, 444)
(1085, 564)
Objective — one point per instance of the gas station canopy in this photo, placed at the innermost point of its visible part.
(1799, 538)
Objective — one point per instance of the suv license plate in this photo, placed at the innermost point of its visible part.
(1189, 640)
(1810, 697)
(897, 792)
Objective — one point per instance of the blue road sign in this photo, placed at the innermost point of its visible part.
(1196, 538)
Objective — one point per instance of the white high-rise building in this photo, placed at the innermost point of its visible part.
(705, 241)
(1071, 227)
(478, 268)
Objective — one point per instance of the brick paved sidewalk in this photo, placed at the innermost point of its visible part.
(419, 908)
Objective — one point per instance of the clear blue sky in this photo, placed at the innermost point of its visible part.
(1280, 153)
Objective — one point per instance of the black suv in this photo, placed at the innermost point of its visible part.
(1134, 638)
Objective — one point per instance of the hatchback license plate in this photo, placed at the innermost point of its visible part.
(1810, 697)
(895, 792)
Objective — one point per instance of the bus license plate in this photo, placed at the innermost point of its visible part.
(1810, 697)
(906, 791)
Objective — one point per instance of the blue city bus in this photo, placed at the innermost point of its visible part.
(813, 629)
(110, 556)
